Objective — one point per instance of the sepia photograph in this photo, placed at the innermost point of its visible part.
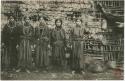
(62, 40)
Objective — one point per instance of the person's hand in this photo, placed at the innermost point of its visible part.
(34, 45)
(17, 46)
(31, 46)
(2, 44)
(46, 38)
(49, 46)
(71, 46)
(65, 49)
(67, 45)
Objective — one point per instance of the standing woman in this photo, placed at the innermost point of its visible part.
(10, 40)
(58, 44)
(77, 55)
(42, 45)
(25, 56)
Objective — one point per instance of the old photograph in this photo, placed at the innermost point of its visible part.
(62, 40)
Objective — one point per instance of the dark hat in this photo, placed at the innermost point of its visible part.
(11, 16)
(26, 17)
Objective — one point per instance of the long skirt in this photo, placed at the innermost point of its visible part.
(5, 58)
(9, 56)
(25, 54)
(42, 57)
(58, 55)
(77, 56)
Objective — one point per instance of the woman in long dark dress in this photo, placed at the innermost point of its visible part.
(25, 49)
(10, 39)
(58, 44)
(42, 45)
(77, 56)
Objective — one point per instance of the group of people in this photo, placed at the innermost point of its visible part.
(19, 40)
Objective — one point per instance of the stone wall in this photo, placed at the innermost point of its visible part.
(53, 10)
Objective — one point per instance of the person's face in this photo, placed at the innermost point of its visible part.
(27, 20)
(78, 22)
(58, 23)
(11, 19)
(42, 20)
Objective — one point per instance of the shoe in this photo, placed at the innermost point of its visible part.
(10, 75)
(2, 72)
(47, 68)
(36, 71)
(83, 72)
(73, 72)
(45, 71)
(28, 71)
(13, 69)
(18, 70)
